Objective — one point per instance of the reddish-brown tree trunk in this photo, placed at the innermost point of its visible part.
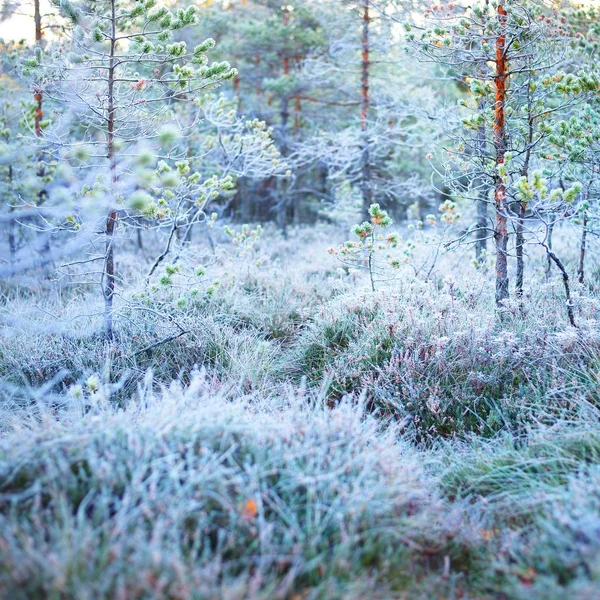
(365, 159)
(501, 230)
(286, 58)
(37, 96)
(37, 123)
(39, 112)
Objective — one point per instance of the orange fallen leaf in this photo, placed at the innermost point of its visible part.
(250, 510)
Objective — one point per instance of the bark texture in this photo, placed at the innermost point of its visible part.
(501, 206)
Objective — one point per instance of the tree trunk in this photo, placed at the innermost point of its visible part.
(565, 277)
(244, 200)
(501, 230)
(482, 200)
(520, 242)
(37, 95)
(12, 225)
(297, 117)
(282, 185)
(582, 245)
(113, 215)
(520, 231)
(37, 122)
(323, 180)
(365, 159)
(481, 241)
(549, 248)
(109, 273)
(236, 93)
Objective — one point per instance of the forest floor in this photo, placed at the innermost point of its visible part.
(265, 426)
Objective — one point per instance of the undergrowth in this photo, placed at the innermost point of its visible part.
(261, 431)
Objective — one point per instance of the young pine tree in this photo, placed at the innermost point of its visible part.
(120, 73)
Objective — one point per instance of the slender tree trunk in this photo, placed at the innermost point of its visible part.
(37, 17)
(520, 231)
(109, 273)
(323, 180)
(39, 113)
(38, 117)
(258, 89)
(549, 248)
(113, 215)
(370, 262)
(12, 239)
(236, 92)
(501, 230)
(520, 243)
(482, 216)
(482, 200)
(37, 96)
(243, 200)
(566, 283)
(12, 225)
(297, 116)
(282, 186)
(282, 200)
(365, 159)
(582, 245)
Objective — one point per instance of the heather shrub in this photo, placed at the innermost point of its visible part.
(421, 353)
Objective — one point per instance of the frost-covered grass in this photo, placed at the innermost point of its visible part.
(235, 316)
(302, 437)
(187, 494)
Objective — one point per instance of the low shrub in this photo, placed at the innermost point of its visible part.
(421, 354)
